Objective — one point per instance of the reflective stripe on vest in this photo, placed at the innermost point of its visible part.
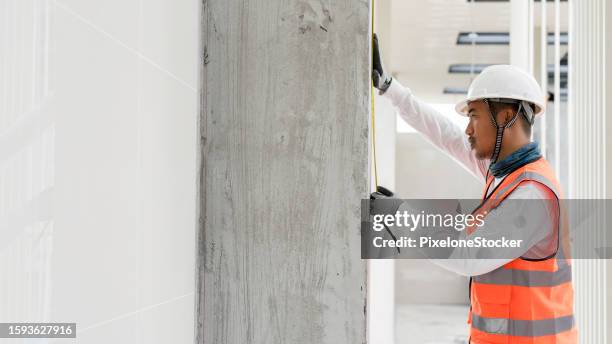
(524, 328)
(526, 278)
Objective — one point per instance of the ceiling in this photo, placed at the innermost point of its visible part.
(419, 40)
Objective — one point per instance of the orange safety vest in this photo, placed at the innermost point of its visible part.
(525, 301)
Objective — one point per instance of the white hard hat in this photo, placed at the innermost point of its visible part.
(507, 82)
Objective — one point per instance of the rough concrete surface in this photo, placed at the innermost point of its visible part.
(284, 150)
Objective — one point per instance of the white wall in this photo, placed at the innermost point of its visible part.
(98, 116)
(381, 272)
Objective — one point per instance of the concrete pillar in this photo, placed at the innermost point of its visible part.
(284, 164)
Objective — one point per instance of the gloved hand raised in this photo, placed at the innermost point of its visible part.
(381, 80)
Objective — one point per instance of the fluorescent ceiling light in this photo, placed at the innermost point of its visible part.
(499, 38)
(454, 90)
(466, 68)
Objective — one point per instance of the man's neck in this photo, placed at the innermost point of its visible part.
(509, 148)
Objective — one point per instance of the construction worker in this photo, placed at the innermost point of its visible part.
(526, 296)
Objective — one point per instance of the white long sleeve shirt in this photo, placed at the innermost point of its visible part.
(537, 231)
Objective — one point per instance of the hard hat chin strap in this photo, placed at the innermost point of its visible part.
(500, 128)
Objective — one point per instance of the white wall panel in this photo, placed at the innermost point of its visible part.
(97, 166)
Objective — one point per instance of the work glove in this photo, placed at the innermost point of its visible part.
(382, 202)
(380, 79)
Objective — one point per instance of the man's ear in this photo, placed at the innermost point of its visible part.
(505, 115)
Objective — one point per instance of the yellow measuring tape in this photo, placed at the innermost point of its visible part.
(373, 127)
